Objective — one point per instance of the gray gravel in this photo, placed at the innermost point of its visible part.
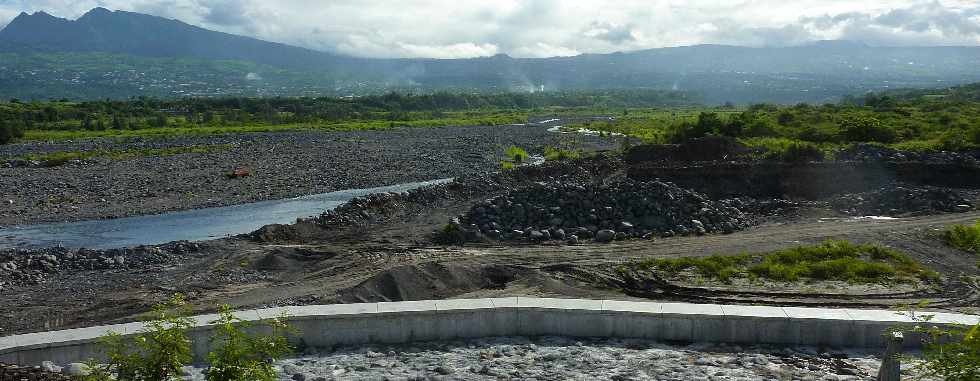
(282, 165)
(555, 358)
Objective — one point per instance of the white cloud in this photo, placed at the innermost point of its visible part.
(535, 28)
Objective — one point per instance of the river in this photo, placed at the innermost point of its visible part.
(191, 225)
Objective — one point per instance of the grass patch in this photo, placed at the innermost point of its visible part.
(558, 154)
(829, 261)
(964, 237)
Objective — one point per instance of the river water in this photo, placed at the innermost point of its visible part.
(191, 225)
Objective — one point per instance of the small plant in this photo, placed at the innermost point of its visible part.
(506, 165)
(155, 354)
(516, 155)
(964, 237)
(242, 357)
(558, 154)
(950, 352)
(162, 348)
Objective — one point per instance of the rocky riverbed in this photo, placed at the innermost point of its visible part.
(274, 166)
(558, 358)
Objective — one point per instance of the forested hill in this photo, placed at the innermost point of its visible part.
(121, 54)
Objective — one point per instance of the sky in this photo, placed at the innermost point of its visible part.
(546, 28)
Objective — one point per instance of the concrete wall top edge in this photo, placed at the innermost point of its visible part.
(11, 344)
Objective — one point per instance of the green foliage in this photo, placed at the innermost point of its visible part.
(158, 351)
(913, 123)
(9, 132)
(240, 356)
(866, 129)
(965, 237)
(506, 165)
(831, 260)
(719, 267)
(558, 154)
(516, 155)
(154, 354)
(951, 351)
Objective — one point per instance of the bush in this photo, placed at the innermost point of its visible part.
(557, 154)
(156, 353)
(9, 132)
(516, 155)
(866, 129)
(965, 237)
(801, 152)
(242, 357)
(951, 353)
(162, 348)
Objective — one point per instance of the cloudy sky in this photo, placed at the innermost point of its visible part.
(539, 28)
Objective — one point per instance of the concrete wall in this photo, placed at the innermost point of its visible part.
(401, 322)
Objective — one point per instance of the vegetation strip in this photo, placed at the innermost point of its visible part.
(831, 260)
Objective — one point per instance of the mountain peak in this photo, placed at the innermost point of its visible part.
(95, 12)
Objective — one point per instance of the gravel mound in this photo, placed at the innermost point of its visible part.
(603, 212)
(32, 266)
(901, 200)
(555, 358)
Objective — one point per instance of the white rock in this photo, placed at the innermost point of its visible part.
(78, 369)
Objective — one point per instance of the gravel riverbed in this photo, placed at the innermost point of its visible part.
(280, 165)
(559, 358)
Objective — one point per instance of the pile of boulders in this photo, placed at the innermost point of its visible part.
(600, 212)
(33, 266)
(901, 200)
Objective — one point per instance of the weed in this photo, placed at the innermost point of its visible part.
(965, 237)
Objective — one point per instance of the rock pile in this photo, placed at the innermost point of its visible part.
(32, 266)
(901, 200)
(624, 209)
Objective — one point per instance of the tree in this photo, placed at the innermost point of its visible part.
(866, 129)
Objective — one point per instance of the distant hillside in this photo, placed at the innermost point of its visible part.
(173, 56)
(101, 30)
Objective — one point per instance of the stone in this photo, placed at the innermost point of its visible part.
(698, 227)
(605, 236)
(535, 235)
(78, 369)
(558, 234)
(49, 366)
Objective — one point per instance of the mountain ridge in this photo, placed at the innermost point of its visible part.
(815, 72)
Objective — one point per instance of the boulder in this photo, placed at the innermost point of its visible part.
(605, 236)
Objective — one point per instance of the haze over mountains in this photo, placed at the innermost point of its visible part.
(122, 54)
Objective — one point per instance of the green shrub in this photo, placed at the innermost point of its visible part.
(801, 152)
(154, 354)
(9, 132)
(866, 129)
(965, 237)
(162, 348)
(516, 155)
(558, 154)
(239, 356)
(950, 352)
(506, 165)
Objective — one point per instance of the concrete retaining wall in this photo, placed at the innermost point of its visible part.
(401, 322)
